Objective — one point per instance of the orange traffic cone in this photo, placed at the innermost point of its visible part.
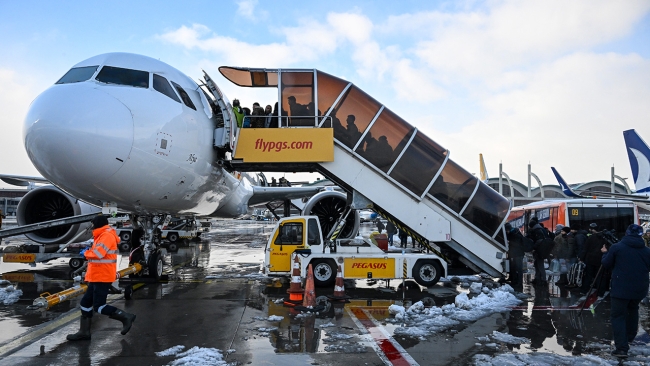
(339, 288)
(309, 302)
(295, 289)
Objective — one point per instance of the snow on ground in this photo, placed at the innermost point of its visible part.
(507, 338)
(420, 322)
(8, 293)
(195, 356)
(540, 358)
(272, 318)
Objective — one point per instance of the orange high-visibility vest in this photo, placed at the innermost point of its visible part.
(102, 256)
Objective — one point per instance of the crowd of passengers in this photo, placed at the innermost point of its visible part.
(258, 117)
(560, 251)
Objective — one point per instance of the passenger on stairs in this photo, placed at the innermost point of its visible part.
(238, 112)
(269, 121)
(258, 120)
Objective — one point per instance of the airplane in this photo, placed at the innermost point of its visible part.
(569, 192)
(484, 174)
(129, 132)
(638, 153)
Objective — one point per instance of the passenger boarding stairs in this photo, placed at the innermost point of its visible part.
(387, 164)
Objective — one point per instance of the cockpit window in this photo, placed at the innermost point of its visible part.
(78, 74)
(184, 96)
(160, 84)
(120, 76)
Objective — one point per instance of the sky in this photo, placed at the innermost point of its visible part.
(551, 83)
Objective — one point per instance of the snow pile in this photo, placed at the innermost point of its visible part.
(507, 338)
(538, 358)
(8, 293)
(420, 322)
(195, 356)
(272, 318)
(475, 287)
(326, 325)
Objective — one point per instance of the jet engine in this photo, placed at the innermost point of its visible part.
(48, 203)
(329, 206)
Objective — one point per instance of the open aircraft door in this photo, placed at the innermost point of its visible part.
(224, 135)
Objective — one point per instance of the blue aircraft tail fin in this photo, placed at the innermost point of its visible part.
(563, 184)
(638, 153)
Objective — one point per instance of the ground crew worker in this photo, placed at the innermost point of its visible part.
(101, 273)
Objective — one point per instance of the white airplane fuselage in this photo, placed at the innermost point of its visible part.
(109, 140)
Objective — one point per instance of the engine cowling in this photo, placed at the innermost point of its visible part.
(50, 203)
(329, 206)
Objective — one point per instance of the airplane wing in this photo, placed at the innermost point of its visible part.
(269, 194)
(566, 189)
(22, 181)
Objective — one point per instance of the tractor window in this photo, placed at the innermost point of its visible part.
(313, 236)
(290, 234)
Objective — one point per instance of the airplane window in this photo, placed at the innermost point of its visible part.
(184, 96)
(120, 76)
(160, 84)
(77, 74)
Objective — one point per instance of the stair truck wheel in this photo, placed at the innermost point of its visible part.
(172, 247)
(75, 263)
(156, 265)
(172, 237)
(427, 272)
(324, 272)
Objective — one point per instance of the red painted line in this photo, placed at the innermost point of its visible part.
(392, 353)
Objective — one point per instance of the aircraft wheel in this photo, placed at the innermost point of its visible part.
(124, 246)
(156, 265)
(324, 272)
(427, 272)
(76, 263)
(125, 236)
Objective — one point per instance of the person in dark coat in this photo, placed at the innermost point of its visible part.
(580, 237)
(380, 225)
(390, 231)
(563, 251)
(403, 237)
(542, 249)
(629, 260)
(591, 256)
(515, 255)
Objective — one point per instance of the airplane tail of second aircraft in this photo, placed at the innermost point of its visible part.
(639, 154)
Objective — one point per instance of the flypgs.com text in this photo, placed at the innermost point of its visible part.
(277, 146)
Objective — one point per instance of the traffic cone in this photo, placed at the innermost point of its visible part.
(295, 290)
(309, 302)
(339, 288)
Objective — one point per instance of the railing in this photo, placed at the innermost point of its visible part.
(290, 121)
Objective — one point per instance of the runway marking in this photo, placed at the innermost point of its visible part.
(386, 347)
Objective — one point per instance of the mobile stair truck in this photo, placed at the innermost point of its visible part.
(301, 235)
(380, 160)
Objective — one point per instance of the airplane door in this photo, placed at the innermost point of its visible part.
(229, 122)
(289, 237)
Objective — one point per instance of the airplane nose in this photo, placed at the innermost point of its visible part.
(77, 135)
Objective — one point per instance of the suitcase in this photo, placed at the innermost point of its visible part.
(575, 274)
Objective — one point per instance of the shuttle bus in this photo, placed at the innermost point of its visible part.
(607, 213)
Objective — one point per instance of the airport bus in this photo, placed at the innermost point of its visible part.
(607, 213)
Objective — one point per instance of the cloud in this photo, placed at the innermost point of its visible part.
(512, 34)
(16, 94)
(570, 114)
(246, 8)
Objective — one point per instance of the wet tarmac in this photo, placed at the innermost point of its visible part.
(215, 306)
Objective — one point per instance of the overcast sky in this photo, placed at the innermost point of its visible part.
(553, 83)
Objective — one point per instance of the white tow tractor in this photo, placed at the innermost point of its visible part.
(359, 259)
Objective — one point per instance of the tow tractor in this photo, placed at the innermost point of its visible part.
(302, 236)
